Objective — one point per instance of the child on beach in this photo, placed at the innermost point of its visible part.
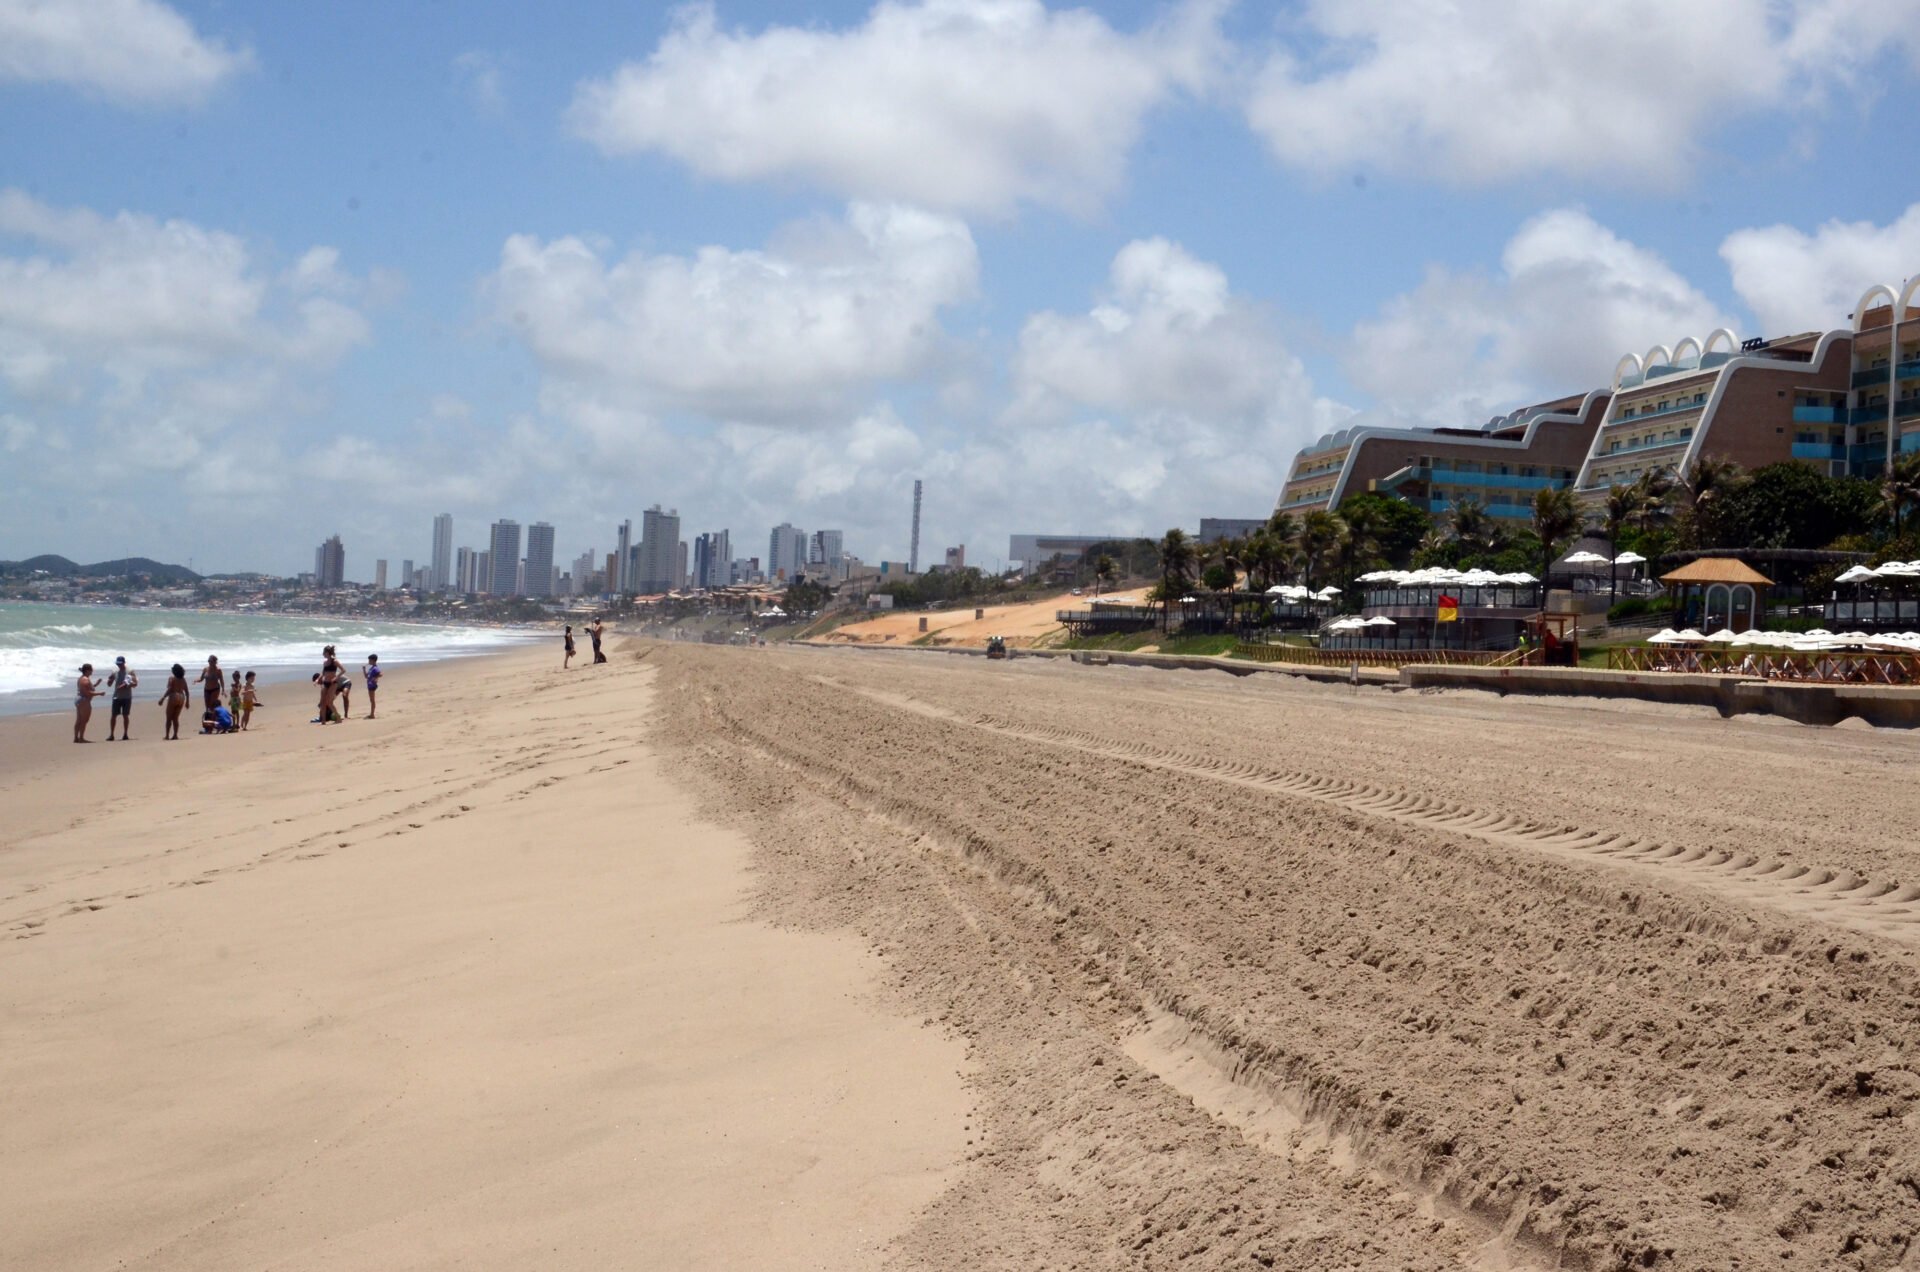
(248, 701)
(84, 693)
(174, 699)
(371, 672)
(343, 693)
(216, 720)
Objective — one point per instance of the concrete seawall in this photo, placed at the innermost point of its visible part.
(1884, 705)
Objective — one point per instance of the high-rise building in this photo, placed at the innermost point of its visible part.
(659, 551)
(406, 572)
(441, 577)
(483, 573)
(380, 575)
(825, 549)
(584, 566)
(504, 551)
(330, 564)
(713, 560)
(957, 558)
(463, 570)
(680, 566)
(619, 580)
(539, 560)
(786, 552)
(610, 583)
(913, 548)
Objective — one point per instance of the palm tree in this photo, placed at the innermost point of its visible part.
(1705, 488)
(1472, 527)
(1362, 524)
(1103, 571)
(1900, 487)
(1653, 498)
(1320, 534)
(1176, 571)
(1555, 519)
(1623, 507)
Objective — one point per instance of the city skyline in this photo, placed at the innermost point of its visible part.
(1179, 240)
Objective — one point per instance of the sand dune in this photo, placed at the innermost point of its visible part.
(1019, 624)
(466, 987)
(1268, 973)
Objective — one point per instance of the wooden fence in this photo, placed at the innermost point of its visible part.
(1830, 668)
(1308, 657)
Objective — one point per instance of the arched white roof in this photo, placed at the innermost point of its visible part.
(1866, 302)
(1904, 309)
(1628, 365)
(1722, 334)
(1665, 358)
(1679, 351)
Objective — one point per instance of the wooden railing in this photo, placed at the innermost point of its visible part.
(1302, 655)
(1857, 668)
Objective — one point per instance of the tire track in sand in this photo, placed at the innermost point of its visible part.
(1835, 896)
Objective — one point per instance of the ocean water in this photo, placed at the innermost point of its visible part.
(42, 646)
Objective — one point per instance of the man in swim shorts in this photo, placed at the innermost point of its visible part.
(122, 682)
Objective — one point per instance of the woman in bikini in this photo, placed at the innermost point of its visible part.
(215, 681)
(85, 691)
(174, 699)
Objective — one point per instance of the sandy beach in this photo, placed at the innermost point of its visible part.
(816, 957)
(470, 985)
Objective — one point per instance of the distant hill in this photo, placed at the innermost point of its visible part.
(158, 573)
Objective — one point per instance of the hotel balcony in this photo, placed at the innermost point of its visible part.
(1819, 415)
(1651, 412)
(1878, 375)
(1905, 408)
(1652, 443)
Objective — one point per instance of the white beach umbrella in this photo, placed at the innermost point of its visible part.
(1585, 558)
(1381, 620)
(1326, 592)
(1725, 636)
(1519, 576)
(1665, 636)
(1689, 634)
(1857, 574)
(1628, 558)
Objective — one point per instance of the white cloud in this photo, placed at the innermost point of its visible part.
(1174, 392)
(972, 105)
(1479, 91)
(133, 51)
(481, 79)
(159, 337)
(1569, 299)
(1795, 281)
(824, 313)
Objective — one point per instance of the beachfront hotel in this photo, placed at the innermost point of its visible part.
(1842, 399)
(1501, 464)
(1756, 403)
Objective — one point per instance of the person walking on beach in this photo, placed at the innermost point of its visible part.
(215, 681)
(174, 699)
(343, 692)
(84, 693)
(371, 674)
(123, 682)
(568, 638)
(594, 632)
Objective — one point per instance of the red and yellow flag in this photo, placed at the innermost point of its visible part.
(1449, 609)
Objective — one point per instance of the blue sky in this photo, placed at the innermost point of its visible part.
(272, 272)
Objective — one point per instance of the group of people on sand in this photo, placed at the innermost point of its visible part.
(227, 702)
(594, 630)
(336, 687)
(118, 686)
